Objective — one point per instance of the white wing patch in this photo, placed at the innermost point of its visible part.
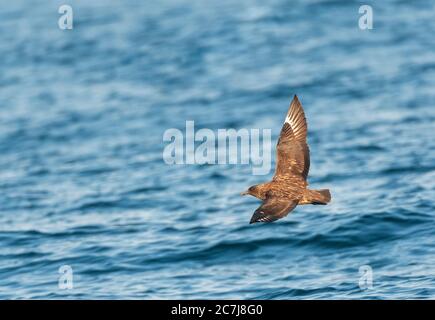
(287, 119)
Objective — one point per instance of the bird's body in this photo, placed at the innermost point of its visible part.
(288, 187)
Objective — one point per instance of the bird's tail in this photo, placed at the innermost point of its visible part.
(316, 197)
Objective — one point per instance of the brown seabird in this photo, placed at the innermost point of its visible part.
(288, 187)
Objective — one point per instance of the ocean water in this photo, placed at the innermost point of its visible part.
(83, 183)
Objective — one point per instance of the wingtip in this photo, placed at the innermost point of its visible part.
(254, 218)
(295, 102)
(295, 107)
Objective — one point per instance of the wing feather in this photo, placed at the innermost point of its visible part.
(273, 208)
(292, 152)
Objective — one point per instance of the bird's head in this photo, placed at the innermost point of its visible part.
(253, 191)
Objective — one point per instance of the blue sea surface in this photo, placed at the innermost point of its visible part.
(83, 182)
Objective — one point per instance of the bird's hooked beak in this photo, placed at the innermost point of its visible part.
(244, 193)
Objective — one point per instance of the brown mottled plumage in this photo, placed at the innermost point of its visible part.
(288, 187)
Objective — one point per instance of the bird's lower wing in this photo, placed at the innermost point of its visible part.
(273, 208)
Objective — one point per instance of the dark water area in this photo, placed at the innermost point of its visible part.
(83, 182)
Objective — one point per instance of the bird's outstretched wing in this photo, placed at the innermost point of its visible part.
(273, 208)
(292, 152)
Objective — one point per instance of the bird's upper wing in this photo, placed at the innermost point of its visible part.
(273, 208)
(292, 152)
